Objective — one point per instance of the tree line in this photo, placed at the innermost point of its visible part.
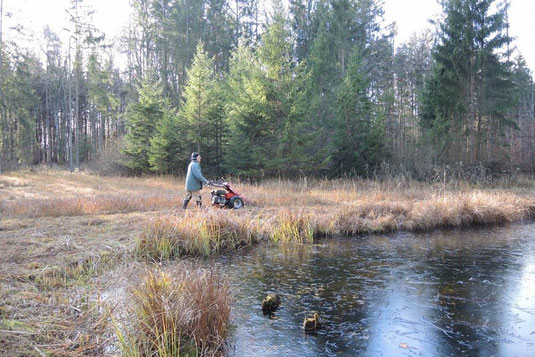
(317, 88)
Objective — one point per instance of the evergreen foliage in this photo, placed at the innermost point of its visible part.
(167, 152)
(323, 89)
(142, 119)
(245, 115)
(358, 141)
(202, 109)
(469, 93)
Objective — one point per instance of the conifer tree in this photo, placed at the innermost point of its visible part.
(245, 98)
(142, 119)
(101, 97)
(320, 88)
(467, 98)
(358, 138)
(267, 111)
(201, 109)
(167, 152)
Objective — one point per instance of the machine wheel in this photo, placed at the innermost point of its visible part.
(236, 203)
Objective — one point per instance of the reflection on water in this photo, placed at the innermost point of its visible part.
(442, 293)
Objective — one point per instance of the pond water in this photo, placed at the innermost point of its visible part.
(443, 293)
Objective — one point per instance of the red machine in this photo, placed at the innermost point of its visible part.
(227, 196)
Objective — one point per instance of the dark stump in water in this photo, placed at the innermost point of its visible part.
(311, 324)
(270, 303)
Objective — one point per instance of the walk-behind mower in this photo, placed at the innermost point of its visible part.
(226, 196)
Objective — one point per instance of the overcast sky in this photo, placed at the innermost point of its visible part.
(112, 15)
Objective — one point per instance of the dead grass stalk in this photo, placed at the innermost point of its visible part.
(183, 312)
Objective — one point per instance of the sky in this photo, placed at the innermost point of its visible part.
(112, 15)
(412, 16)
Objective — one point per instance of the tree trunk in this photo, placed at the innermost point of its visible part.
(1, 79)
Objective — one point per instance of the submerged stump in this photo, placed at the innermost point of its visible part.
(270, 303)
(311, 324)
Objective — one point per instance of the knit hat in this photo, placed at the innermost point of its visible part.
(194, 155)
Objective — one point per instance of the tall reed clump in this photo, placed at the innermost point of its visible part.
(289, 226)
(196, 234)
(183, 312)
(368, 217)
(466, 209)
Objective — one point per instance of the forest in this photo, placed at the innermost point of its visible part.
(386, 189)
(300, 88)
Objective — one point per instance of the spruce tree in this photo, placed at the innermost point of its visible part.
(468, 96)
(320, 87)
(202, 110)
(275, 56)
(167, 152)
(268, 106)
(245, 98)
(142, 119)
(358, 138)
(197, 96)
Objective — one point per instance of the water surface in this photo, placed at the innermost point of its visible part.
(444, 293)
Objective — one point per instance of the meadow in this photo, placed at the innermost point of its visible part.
(93, 265)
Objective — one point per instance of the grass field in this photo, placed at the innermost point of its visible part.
(77, 250)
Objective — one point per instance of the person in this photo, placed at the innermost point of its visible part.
(194, 181)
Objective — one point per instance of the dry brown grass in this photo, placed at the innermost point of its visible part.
(62, 234)
(89, 205)
(208, 232)
(175, 313)
(51, 193)
(196, 233)
(49, 267)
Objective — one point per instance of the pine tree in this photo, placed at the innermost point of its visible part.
(201, 98)
(167, 153)
(467, 97)
(358, 139)
(142, 119)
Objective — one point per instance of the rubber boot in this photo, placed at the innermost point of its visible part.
(185, 204)
(199, 204)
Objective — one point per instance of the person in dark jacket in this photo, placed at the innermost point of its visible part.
(194, 181)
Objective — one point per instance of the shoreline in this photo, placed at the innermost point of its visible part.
(66, 239)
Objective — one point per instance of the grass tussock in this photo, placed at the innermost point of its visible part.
(467, 209)
(196, 234)
(289, 226)
(203, 233)
(179, 313)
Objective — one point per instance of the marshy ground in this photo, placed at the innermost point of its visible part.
(73, 247)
